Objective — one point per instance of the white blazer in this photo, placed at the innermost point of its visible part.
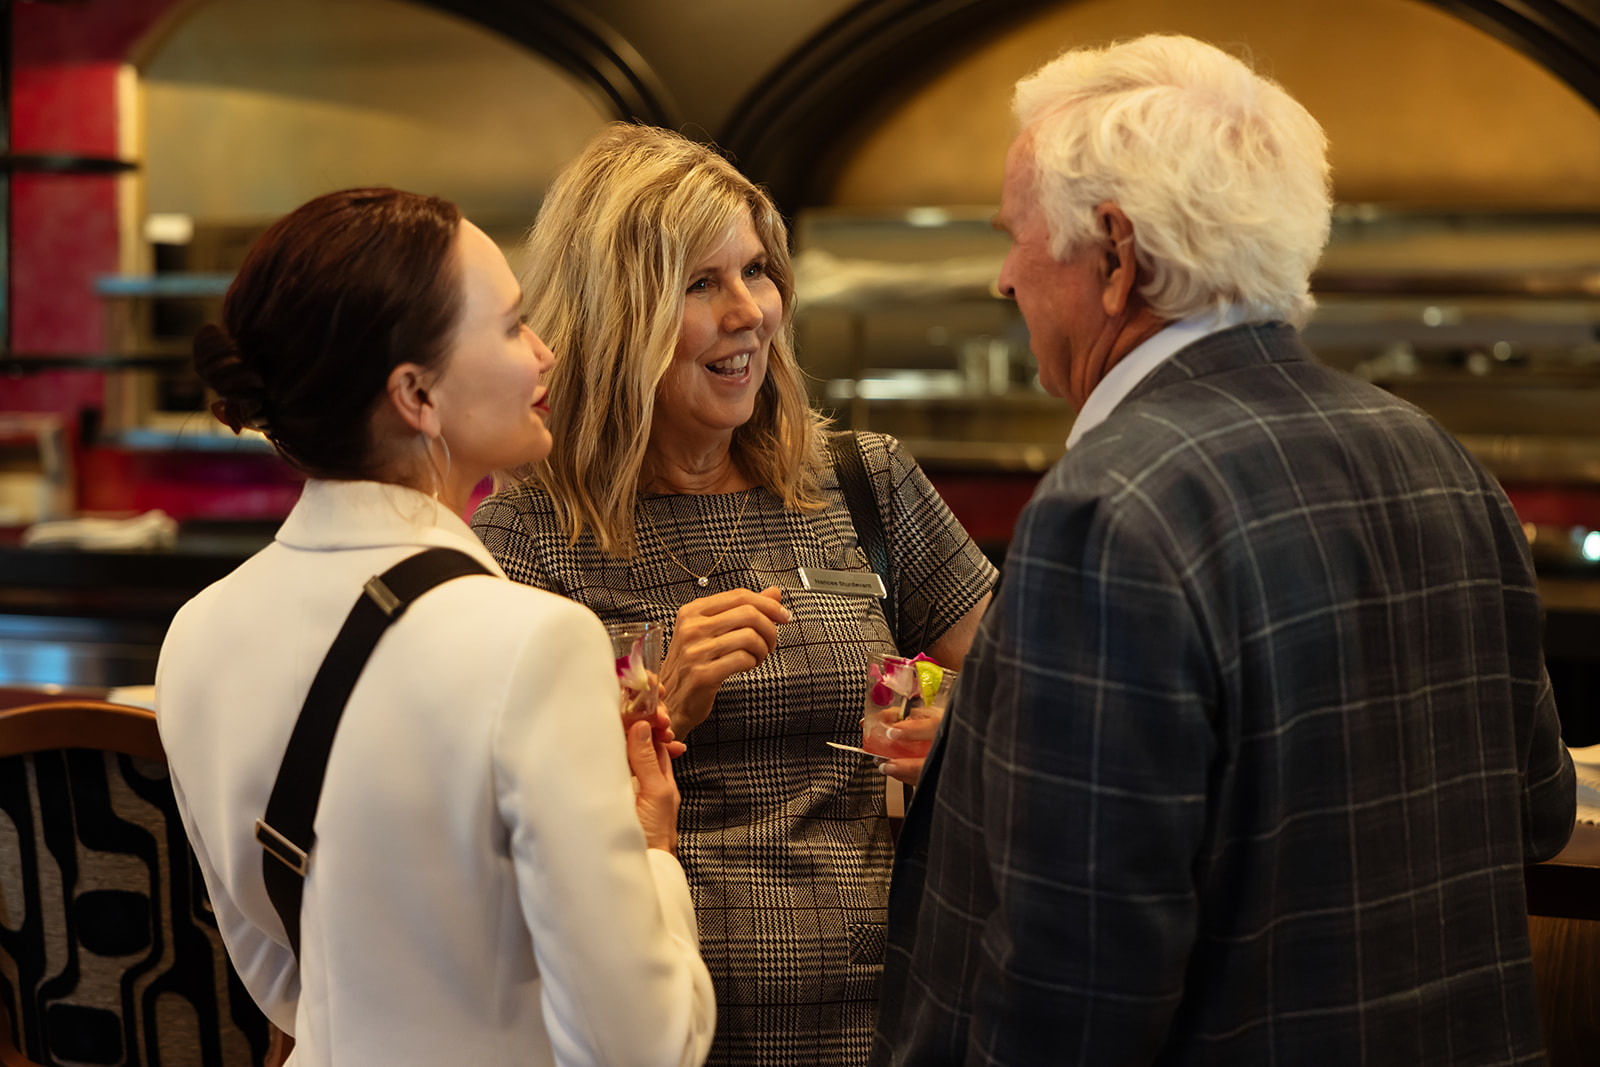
(480, 891)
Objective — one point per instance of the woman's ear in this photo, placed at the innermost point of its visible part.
(408, 394)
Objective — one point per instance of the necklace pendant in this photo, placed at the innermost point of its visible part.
(702, 582)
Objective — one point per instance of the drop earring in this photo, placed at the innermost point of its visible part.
(426, 444)
(427, 458)
(439, 480)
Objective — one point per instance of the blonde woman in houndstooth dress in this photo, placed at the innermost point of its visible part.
(688, 483)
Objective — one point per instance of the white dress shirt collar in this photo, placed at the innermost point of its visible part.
(1137, 365)
(335, 514)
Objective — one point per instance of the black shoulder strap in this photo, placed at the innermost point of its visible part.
(856, 485)
(285, 830)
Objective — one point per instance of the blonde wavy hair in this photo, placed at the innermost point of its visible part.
(604, 278)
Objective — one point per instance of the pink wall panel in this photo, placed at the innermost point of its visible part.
(67, 392)
(66, 34)
(64, 228)
(62, 105)
(187, 484)
(64, 233)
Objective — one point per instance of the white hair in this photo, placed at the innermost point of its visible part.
(1223, 175)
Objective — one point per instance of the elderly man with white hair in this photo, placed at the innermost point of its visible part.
(1255, 741)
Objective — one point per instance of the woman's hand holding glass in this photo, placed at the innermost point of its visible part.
(917, 730)
(656, 796)
(636, 647)
(716, 637)
(648, 729)
(649, 705)
(905, 702)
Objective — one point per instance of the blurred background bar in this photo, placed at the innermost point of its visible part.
(146, 143)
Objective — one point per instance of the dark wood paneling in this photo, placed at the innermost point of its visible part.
(790, 132)
(1563, 36)
(792, 128)
(578, 40)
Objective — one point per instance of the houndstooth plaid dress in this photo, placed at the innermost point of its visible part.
(784, 839)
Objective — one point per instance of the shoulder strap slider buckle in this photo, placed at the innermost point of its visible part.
(382, 596)
(282, 849)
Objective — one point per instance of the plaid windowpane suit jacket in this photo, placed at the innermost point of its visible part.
(1249, 753)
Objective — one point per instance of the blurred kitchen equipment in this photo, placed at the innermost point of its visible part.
(35, 469)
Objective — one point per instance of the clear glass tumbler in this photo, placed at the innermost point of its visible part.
(900, 688)
(636, 647)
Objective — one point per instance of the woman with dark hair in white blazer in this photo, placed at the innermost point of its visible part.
(487, 885)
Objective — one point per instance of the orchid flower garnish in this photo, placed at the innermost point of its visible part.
(899, 677)
(630, 669)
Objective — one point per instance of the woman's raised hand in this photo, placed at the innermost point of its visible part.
(714, 637)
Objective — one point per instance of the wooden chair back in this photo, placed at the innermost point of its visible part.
(114, 951)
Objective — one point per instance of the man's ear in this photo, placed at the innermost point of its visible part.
(1119, 264)
(408, 395)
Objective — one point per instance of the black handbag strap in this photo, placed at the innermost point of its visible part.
(285, 831)
(856, 485)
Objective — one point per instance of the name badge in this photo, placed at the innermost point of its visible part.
(844, 583)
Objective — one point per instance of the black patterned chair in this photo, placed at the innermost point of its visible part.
(109, 953)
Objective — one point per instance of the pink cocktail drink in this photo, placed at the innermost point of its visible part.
(898, 689)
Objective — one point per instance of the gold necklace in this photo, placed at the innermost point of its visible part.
(702, 580)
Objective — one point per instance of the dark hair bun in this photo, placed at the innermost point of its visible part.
(242, 392)
(328, 301)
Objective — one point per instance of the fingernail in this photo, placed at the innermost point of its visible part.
(788, 616)
(892, 733)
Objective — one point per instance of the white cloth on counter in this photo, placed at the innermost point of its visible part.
(480, 890)
(153, 529)
(1586, 762)
(136, 696)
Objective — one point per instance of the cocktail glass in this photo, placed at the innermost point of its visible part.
(899, 688)
(636, 648)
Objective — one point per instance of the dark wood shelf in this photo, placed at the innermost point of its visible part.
(62, 163)
(16, 364)
(1569, 284)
